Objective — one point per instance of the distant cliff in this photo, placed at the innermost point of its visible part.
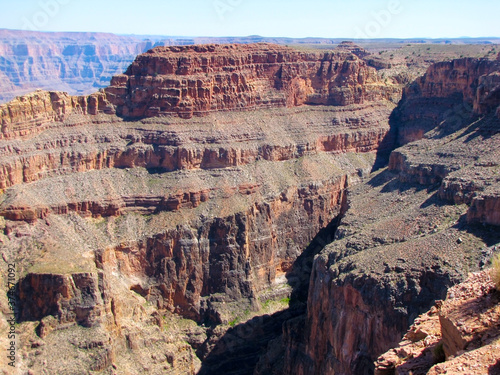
(78, 63)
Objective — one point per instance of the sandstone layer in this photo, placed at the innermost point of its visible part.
(122, 229)
(155, 224)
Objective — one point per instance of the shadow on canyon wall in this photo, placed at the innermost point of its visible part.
(238, 351)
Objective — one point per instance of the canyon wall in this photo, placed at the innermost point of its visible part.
(123, 227)
(78, 63)
(410, 231)
(198, 80)
(434, 97)
(149, 219)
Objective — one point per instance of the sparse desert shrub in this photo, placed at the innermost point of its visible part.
(495, 271)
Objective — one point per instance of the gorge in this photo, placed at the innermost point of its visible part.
(245, 209)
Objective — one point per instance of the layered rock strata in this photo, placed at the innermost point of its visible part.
(212, 143)
(75, 62)
(149, 237)
(436, 97)
(407, 236)
(199, 79)
(124, 229)
(461, 146)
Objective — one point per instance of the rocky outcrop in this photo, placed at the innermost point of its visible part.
(151, 235)
(387, 262)
(199, 79)
(430, 99)
(485, 209)
(458, 335)
(36, 112)
(68, 297)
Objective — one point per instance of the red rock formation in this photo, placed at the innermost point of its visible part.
(460, 336)
(427, 102)
(39, 111)
(485, 208)
(196, 80)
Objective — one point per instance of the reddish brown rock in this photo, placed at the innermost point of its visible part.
(196, 80)
(71, 298)
(485, 208)
(36, 112)
(460, 336)
(237, 140)
(428, 101)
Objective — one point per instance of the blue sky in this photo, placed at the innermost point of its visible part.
(313, 18)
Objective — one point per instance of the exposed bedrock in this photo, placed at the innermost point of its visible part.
(239, 255)
(458, 148)
(396, 251)
(436, 97)
(197, 80)
(458, 335)
(124, 231)
(71, 298)
(409, 232)
(229, 140)
(123, 228)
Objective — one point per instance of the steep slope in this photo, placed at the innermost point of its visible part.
(165, 223)
(131, 238)
(410, 231)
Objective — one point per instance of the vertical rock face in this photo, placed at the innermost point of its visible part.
(431, 98)
(394, 253)
(69, 297)
(200, 79)
(239, 255)
(458, 335)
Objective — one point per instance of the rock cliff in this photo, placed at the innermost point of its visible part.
(125, 230)
(219, 205)
(75, 62)
(409, 232)
(432, 99)
(199, 79)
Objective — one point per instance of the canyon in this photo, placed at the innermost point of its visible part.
(244, 209)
